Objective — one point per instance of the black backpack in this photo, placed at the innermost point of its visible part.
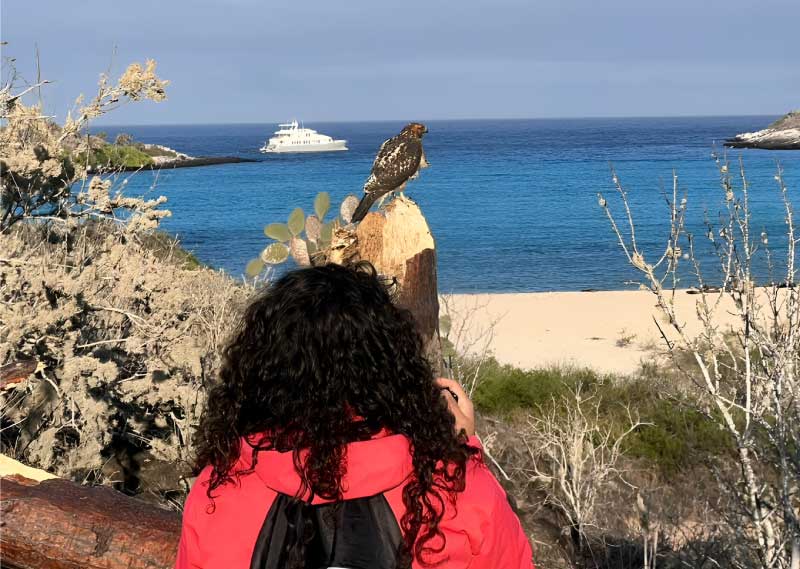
(353, 534)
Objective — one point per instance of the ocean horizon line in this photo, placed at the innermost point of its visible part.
(443, 120)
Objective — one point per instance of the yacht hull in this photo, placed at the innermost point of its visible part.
(334, 146)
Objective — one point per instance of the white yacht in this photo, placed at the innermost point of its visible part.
(290, 137)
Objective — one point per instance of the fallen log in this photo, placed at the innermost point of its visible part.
(17, 372)
(57, 524)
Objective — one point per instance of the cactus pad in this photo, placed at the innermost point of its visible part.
(275, 253)
(348, 208)
(313, 228)
(299, 251)
(254, 268)
(326, 234)
(297, 221)
(322, 204)
(278, 232)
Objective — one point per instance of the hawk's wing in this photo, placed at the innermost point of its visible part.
(398, 160)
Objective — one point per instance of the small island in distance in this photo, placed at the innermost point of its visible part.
(783, 134)
(126, 154)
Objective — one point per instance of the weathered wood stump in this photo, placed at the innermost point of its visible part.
(57, 524)
(399, 243)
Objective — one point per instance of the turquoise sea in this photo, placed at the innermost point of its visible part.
(512, 203)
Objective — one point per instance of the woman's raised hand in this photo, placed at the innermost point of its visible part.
(460, 405)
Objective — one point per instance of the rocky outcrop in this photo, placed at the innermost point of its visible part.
(783, 134)
(166, 157)
(160, 153)
(190, 162)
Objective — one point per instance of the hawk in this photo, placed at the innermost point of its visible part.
(398, 161)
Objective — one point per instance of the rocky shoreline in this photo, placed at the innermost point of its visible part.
(783, 134)
(189, 162)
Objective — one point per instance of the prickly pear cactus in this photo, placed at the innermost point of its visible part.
(275, 253)
(278, 232)
(322, 204)
(306, 239)
(297, 222)
(254, 267)
(313, 228)
(299, 250)
(348, 208)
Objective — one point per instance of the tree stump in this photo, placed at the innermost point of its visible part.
(399, 243)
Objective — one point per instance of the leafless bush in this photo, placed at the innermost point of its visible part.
(468, 343)
(747, 378)
(573, 457)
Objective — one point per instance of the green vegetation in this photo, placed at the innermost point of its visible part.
(125, 152)
(112, 156)
(675, 438)
(506, 390)
(789, 120)
(166, 247)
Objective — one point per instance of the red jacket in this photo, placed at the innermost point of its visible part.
(481, 532)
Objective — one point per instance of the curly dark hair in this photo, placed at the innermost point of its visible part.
(322, 358)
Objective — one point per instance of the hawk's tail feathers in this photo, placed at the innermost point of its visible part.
(363, 207)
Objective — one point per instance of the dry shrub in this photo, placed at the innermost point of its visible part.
(115, 332)
(649, 520)
(125, 338)
(40, 165)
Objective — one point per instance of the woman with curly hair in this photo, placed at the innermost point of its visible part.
(327, 442)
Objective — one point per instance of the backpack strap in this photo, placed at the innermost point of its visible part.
(355, 534)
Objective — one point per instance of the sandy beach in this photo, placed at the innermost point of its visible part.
(610, 331)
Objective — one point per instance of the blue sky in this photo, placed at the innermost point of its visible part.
(263, 61)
